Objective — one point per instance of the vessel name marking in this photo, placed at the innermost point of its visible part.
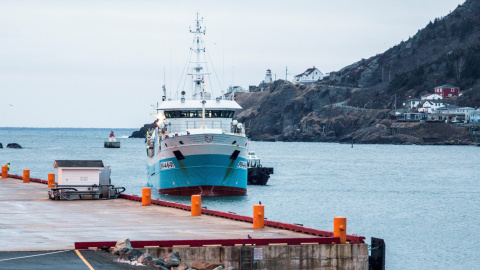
(242, 164)
(167, 165)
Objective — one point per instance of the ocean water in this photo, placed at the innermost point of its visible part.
(424, 201)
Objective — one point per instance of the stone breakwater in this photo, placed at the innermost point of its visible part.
(171, 260)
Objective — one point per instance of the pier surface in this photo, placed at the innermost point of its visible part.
(32, 222)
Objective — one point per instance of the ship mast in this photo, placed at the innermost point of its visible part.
(203, 105)
(198, 49)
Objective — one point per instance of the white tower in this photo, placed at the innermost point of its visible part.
(268, 76)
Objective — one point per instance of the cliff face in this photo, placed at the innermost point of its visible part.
(446, 51)
(289, 112)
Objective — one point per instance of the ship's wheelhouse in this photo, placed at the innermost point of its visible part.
(198, 114)
(184, 115)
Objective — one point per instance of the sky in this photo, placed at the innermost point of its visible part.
(102, 64)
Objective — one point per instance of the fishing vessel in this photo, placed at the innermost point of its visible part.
(196, 146)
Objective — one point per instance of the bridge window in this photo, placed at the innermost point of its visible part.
(198, 114)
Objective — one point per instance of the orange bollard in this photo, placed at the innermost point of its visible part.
(4, 172)
(196, 205)
(340, 229)
(258, 216)
(26, 176)
(51, 180)
(146, 196)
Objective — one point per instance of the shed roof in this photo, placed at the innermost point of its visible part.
(446, 86)
(448, 107)
(307, 72)
(78, 164)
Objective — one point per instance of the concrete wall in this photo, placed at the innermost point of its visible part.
(278, 257)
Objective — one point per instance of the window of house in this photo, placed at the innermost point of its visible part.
(453, 89)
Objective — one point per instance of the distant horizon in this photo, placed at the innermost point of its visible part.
(69, 128)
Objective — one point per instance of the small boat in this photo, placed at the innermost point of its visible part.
(111, 142)
(257, 174)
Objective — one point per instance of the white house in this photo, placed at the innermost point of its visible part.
(431, 97)
(236, 89)
(78, 172)
(473, 117)
(310, 75)
(455, 113)
(431, 105)
(412, 103)
(464, 110)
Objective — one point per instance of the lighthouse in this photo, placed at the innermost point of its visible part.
(268, 76)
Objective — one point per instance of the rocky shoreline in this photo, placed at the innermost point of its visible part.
(316, 113)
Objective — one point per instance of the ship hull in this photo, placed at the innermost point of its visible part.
(206, 164)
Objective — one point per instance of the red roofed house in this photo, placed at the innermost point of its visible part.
(310, 75)
(447, 90)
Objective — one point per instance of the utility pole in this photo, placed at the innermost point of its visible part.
(395, 102)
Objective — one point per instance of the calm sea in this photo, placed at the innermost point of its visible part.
(424, 201)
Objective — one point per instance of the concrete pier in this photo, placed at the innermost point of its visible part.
(32, 222)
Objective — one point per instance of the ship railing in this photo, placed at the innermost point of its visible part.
(186, 133)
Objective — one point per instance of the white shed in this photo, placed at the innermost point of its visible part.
(310, 75)
(78, 172)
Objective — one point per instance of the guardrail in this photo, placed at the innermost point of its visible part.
(31, 179)
(213, 242)
(354, 239)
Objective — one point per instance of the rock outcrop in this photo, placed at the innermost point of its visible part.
(14, 145)
(142, 132)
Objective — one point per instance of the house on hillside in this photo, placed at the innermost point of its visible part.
(236, 89)
(431, 105)
(414, 117)
(455, 113)
(412, 103)
(462, 113)
(473, 117)
(431, 97)
(310, 75)
(447, 109)
(436, 117)
(447, 90)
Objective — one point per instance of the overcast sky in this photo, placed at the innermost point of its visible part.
(102, 63)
